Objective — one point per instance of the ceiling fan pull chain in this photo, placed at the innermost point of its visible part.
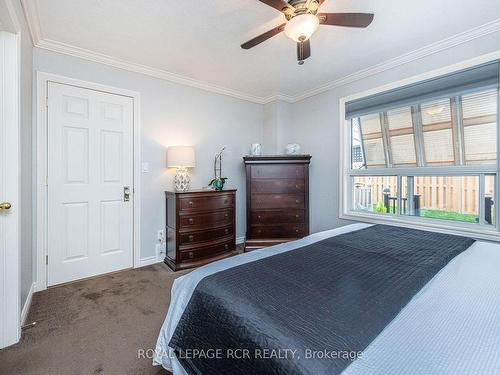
(300, 52)
(303, 50)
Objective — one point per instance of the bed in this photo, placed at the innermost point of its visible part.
(447, 324)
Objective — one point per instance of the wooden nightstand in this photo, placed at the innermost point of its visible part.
(200, 227)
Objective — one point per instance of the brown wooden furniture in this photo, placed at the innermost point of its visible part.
(200, 227)
(277, 199)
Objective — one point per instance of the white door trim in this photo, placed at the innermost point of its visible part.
(10, 273)
(42, 80)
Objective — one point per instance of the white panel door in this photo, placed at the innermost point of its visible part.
(90, 165)
(10, 326)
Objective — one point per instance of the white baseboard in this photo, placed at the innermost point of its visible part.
(240, 240)
(149, 261)
(27, 305)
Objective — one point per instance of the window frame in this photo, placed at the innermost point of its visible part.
(477, 230)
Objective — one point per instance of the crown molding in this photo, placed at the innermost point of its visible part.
(278, 98)
(32, 16)
(442, 45)
(85, 54)
(30, 8)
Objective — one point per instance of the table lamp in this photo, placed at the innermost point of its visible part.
(181, 158)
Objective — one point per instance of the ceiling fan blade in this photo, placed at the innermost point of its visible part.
(303, 51)
(346, 19)
(280, 5)
(263, 37)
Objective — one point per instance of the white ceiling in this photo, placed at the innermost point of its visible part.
(200, 39)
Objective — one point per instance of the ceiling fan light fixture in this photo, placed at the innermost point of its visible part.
(302, 27)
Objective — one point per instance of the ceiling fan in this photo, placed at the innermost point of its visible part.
(303, 20)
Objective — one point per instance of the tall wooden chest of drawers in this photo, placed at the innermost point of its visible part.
(277, 199)
(200, 227)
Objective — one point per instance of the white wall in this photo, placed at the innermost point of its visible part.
(316, 124)
(277, 117)
(173, 114)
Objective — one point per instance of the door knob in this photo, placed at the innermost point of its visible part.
(126, 193)
(5, 206)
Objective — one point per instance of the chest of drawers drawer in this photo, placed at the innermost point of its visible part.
(204, 252)
(195, 221)
(270, 201)
(189, 238)
(278, 216)
(197, 204)
(277, 186)
(277, 171)
(278, 231)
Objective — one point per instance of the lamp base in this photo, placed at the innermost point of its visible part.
(182, 180)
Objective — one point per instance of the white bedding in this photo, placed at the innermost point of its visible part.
(452, 326)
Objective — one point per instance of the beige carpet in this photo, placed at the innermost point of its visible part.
(94, 326)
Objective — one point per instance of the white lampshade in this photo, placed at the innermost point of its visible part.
(181, 157)
(302, 27)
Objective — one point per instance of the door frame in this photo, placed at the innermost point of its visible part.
(42, 80)
(10, 319)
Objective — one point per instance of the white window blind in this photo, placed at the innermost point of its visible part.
(428, 152)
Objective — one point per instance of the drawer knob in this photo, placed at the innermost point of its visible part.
(296, 231)
(226, 246)
(191, 220)
(259, 217)
(297, 187)
(296, 201)
(190, 203)
(226, 231)
(259, 231)
(297, 216)
(191, 238)
(191, 255)
(226, 215)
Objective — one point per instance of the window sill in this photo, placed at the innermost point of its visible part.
(488, 233)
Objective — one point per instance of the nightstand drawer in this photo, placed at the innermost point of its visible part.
(202, 252)
(202, 204)
(188, 238)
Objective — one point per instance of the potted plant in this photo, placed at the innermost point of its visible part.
(218, 181)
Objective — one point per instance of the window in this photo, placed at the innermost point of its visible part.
(480, 127)
(437, 129)
(427, 153)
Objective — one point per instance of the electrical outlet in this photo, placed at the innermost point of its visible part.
(161, 236)
(160, 250)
